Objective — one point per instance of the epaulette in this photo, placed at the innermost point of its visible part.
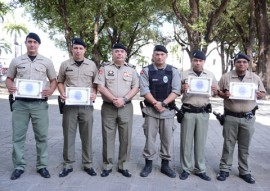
(131, 65)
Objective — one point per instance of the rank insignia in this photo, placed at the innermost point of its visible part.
(110, 73)
(126, 74)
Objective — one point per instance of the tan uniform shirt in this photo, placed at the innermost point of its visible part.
(119, 81)
(236, 105)
(197, 100)
(39, 69)
(72, 75)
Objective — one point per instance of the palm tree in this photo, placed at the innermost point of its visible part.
(16, 29)
(4, 46)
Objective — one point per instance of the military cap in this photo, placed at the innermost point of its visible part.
(160, 48)
(199, 55)
(33, 36)
(241, 56)
(119, 46)
(78, 41)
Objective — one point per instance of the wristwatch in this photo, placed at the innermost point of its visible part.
(163, 104)
(125, 99)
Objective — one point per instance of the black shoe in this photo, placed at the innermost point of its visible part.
(90, 171)
(44, 173)
(203, 176)
(147, 168)
(105, 173)
(248, 178)
(65, 172)
(16, 174)
(184, 175)
(168, 171)
(125, 173)
(222, 175)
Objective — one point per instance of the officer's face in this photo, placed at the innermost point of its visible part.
(159, 58)
(241, 65)
(78, 52)
(31, 46)
(119, 56)
(197, 64)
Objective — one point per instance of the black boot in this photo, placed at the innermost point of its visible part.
(147, 168)
(165, 169)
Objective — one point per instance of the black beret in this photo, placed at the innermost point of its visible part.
(78, 41)
(199, 55)
(33, 36)
(160, 48)
(119, 46)
(241, 56)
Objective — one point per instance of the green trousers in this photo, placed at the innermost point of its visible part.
(194, 128)
(112, 119)
(238, 130)
(74, 116)
(23, 111)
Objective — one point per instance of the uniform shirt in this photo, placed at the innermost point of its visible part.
(41, 68)
(119, 81)
(236, 105)
(197, 100)
(72, 75)
(144, 89)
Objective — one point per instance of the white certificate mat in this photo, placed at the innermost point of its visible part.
(244, 91)
(77, 96)
(199, 85)
(29, 88)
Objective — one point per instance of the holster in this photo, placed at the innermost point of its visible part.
(61, 105)
(142, 106)
(219, 117)
(11, 101)
(179, 114)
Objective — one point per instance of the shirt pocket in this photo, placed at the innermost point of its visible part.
(110, 82)
(21, 71)
(40, 70)
(127, 80)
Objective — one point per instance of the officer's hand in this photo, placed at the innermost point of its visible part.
(47, 93)
(12, 89)
(159, 107)
(63, 96)
(214, 89)
(93, 97)
(260, 94)
(118, 102)
(226, 94)
(184, 87)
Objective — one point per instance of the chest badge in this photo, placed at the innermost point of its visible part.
(110, 73)
(165, 79)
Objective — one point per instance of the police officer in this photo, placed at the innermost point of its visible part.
(194, 125)
(31, 66)
(118, 83)
(160, 86)
(77, 71)
(239, 119)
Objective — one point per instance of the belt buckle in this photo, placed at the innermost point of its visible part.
(248, 115)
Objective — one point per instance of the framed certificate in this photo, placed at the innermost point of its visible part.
(78, 96)
(244, 91)
(199, 85)
(29, 88)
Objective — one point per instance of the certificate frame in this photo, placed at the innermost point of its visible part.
(29, 88)
(199, 85)
(78, 96)
(243, 91)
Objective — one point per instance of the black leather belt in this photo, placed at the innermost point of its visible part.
(30, 99)
(192, 109)
(109, 103)
(239, 115)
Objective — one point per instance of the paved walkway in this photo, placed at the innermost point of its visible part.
(78, 180)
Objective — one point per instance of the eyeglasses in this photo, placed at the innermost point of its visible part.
(240, 61)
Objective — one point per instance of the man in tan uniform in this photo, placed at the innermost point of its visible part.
(77, 71)
(118, 83)
(31, 66)
(239, 118)
(194, 126)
